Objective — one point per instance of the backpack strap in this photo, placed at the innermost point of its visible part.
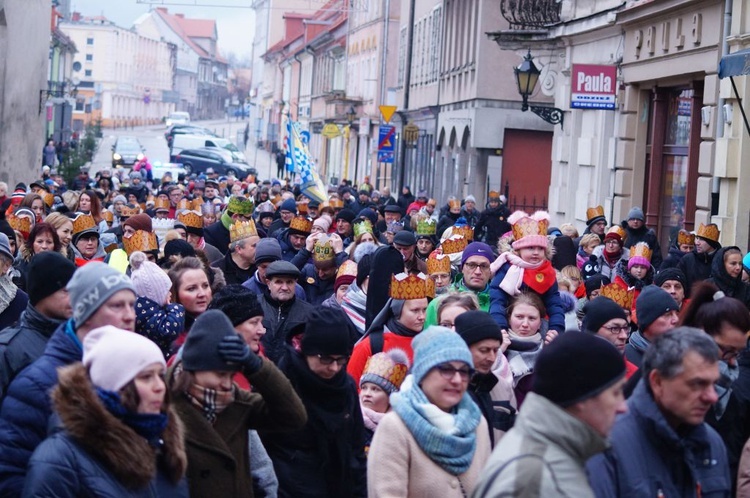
(377, 341)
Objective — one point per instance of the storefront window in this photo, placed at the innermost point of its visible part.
(675, 164)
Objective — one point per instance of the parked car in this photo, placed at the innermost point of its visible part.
(186, 130)
(198, 160)
(178, 118)
(159, 169)
(180, 142)
(126, 151)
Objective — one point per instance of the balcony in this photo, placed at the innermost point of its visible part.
(530, 15)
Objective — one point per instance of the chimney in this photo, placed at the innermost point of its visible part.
(76, 17)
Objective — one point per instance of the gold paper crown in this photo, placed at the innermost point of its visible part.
(407, 286)
(336, 203)
(685, 237)
(438, 263)
(381, 365)
(83, 222)
(196, 204)
(127, 211)
(143, 206)
(162, 204)
(242, 230)
(465, 231)
(108, 216)
(363, 226)
(48, 198)
(618, 230)
(323, 251)
(594, 212)
(494, 195)
(301, 224)
(347, 268)
(301, 207)
(426, 226)
(454, 204)
(642, 250)
(454, 244)
(190, 219)
(140, 241)
(150, 198)
(710, 232)
(183, 204)
(528, 226)
(619, 294)
(21, 224)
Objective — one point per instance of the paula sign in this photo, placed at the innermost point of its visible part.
(593, 87)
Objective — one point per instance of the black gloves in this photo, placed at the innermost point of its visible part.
(233, 350)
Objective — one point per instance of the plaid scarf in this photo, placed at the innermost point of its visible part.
(210, 401)
(522, 362)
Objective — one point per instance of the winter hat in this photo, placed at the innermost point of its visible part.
(475, 326)
(405, 238)
(529, 231)
(237, 302)
(470, 198)
(328, 332)
(5, 246)
(575, 367)
(477, 249)
(324, 223)
(345, 275)
(414, 206)
(595, 282)
(91, 286)
(369, 214)
(363, 268)
(149, 280)
(114, 357)
(652, 303)
(201, 350)
(636, 213)
(267, 250)
(48, 272)
(435, 346)
(673, 274)
(346, 215)
(387, 370)
(289, 205)
(178, 247)
(599, 311)
(139, 222)
(120, 198)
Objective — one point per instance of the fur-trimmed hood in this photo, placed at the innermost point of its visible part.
(127, 455)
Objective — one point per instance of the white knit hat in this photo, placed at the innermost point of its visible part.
(114, 356)
(148, 279)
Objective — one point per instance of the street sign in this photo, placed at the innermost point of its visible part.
(387, 112)
(331, 131)
(386, 148)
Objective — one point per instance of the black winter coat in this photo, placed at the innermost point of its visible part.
(217, 236)
(731, 286)
(646, 235)
(492, 224)
(674, 256)
(696, 266)
(279, 319)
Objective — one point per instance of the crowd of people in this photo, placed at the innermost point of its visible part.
(218, 336)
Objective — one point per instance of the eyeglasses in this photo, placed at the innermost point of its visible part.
(329, 360)
(449, 371)
(616, 329)
(448, 325)
(474, 266)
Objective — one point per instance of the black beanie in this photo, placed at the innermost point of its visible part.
(201, 350)
(652, 303)
(671, 274)
(48, 272)
(363, 269)
(599, 311)
(346, 215)
(575, 367)
(237, 302)
(178, 247)
(475, 326)
(328, 332)
(595, 282)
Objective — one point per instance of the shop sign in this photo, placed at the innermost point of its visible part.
(593, 86)
(331, 131)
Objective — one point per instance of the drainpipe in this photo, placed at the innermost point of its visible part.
(716, 182)
(407, 87)
(384, 49)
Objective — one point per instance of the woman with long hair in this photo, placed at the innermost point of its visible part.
(43, 237)
(63, 225)
(35, 203)
(191, 288)
(89, 203)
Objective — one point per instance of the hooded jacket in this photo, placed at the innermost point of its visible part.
(543, 455)
(643, 234)
(649, 458)
(96, 454)
(731, 286)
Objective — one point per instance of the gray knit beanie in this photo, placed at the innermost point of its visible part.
(91, 286)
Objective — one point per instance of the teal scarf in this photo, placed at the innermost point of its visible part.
(453, 450)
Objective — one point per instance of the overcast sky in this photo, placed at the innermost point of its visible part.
(235, 24)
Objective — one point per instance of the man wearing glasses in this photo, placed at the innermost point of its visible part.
(657, 314)
(607, 319)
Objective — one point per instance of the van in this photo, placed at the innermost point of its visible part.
(178, 118)
(180, 142)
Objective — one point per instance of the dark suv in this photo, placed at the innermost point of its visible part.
(126, 151)
(198, 160)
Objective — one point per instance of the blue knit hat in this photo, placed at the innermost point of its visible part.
(289, 205)
(435, 346)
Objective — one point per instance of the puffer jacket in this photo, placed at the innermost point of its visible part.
(543, 455)
(26, 410)
(96, 454)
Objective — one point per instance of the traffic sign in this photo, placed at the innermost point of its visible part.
(331, 131)
(386, 148)
(387, 112)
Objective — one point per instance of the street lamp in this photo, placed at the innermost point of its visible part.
(351, 115)
(527, 76)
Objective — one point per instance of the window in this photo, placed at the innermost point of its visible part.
(89, 41)
(87, 72)
(89, 57)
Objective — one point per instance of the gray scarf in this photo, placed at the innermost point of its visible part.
(723, 386)
(8, 292)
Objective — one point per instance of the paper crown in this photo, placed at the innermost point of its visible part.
(265, 207)
(150, 198)
(241, 230)
(20, 223)
(710, 232)
(161, 227)
(48, 198)
(408, 286)
(381, 370)
(83, 222)
(301, 207)
(108, 216)
(454, 204)
(363, 226)
(183, 204)
(493, 195)
(394, 227)
(426, 226)
(128, 211)
(618, 230)
(323, 251)
(197, 203)
(454, 244)
(162, 204)
(642, 250)
(525, 225)
(190, 219)
(347, 268)
(465, 231)
(336, 203)
(140, 241)
(593, 213)
(438, 263)
(618, 294)
(685, 237)
(301, 224)
(209, 208)
(240, 205)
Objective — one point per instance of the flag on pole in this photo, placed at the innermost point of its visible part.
(298, 157)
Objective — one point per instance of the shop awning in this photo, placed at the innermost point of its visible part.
(736, 64)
